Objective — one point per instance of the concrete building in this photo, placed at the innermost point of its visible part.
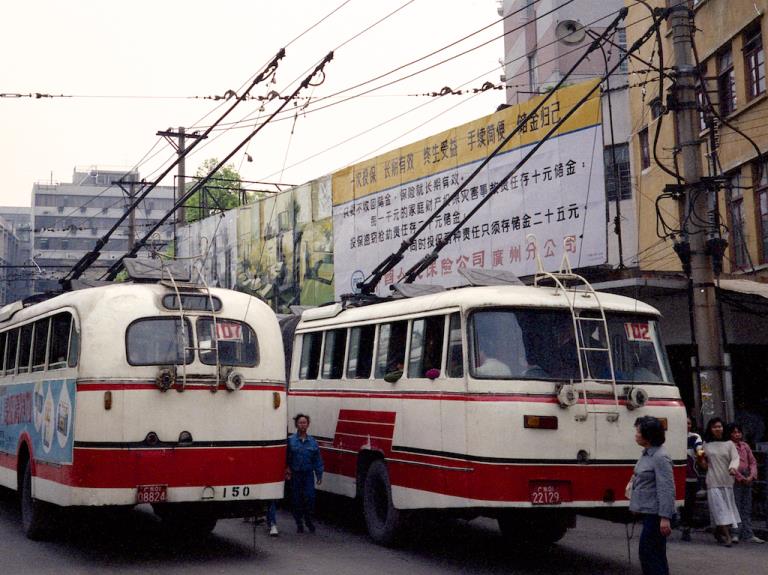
(731, 53)
(542, 42)
(69, 218)
(15, 254)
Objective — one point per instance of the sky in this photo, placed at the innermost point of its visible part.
(129, 69)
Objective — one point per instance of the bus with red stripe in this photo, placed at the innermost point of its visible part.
(163, 393)
(508, 401)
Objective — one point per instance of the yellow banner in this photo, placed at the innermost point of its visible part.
(466, 143)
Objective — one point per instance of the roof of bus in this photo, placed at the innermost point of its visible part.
(96, 298)
(473, 298)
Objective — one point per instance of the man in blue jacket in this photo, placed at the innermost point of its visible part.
(305, 467)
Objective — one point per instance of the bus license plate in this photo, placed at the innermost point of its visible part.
(151, 493)
(549, 492)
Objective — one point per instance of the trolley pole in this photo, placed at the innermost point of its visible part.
(709, 361)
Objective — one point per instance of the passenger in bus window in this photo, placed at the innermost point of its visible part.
(305, 468)
(489, 366)
(653, 495)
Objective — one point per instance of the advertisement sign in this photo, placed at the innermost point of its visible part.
(558, 197)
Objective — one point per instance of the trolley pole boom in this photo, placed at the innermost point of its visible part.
(118, 265)
(427, 260)
(369, 284)
(85, 262)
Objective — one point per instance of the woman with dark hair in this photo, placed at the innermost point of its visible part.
(721, 460)
(653, 495)
(742, 488)
(305, 467)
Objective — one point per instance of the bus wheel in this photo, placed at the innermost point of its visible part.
(518, 530)
(35, 519)
(381, 518)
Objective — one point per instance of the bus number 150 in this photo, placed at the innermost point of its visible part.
(236, 491)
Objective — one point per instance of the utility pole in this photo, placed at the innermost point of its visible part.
(131, 193)
(709, 364)
(181, 148)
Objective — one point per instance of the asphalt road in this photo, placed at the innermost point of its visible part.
(137, 543)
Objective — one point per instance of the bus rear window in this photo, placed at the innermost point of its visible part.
(192, 302)
(159, 341)
(236, 341)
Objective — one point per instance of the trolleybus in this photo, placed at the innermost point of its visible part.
(509, 401)
(165, 393)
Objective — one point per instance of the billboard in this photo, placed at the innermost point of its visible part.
(558, 197)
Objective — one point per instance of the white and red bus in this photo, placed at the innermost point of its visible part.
(158, 393)
(509, 401)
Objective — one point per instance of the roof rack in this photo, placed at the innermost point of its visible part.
(483, 277)
(144, 270)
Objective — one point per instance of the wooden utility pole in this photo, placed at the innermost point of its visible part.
(709, 364)
(181, 148)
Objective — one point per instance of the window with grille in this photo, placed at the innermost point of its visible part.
(726, 82)
(760, 177)
(735, 198)
(617, 174)
(645, 150)
(754, 61)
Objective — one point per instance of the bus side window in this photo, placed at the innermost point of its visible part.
(3, 337)
(310, 355)
(57, 352)
(10, 355)
(361, 351)
(455, 362)
(74, 345)
(25, 347)
(391, 352)
(333, 354)
(40, 343)
(426, 351)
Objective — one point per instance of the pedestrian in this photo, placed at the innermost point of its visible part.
(305, 468)
(272, 519)
(695, 446)
(721, 460)
(653, 495)
(742, 488)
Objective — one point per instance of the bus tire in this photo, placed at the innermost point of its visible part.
(35, 519)
(381, 518)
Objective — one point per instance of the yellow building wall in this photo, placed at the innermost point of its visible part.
(718, 22)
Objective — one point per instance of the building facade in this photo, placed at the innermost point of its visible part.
(729, 56)
(543, 40)
(69, 218)
(17, 269)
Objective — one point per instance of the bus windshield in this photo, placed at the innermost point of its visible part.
(541, 344)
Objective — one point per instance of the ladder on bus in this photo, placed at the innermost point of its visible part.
(214, 335)
(593, 343)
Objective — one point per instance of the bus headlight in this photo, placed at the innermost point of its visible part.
(166, 378)
(567, 395)
(636, 397)
(235, 381)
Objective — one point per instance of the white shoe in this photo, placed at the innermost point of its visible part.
(273, 532)
(756, 539)
(734, 538)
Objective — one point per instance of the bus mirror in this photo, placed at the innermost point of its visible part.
(432, 373)
(393, 376)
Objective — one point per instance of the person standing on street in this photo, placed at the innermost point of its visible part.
(653, 495)
(721, 460)
(695, 446)
(742, 488)
(305, 467)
